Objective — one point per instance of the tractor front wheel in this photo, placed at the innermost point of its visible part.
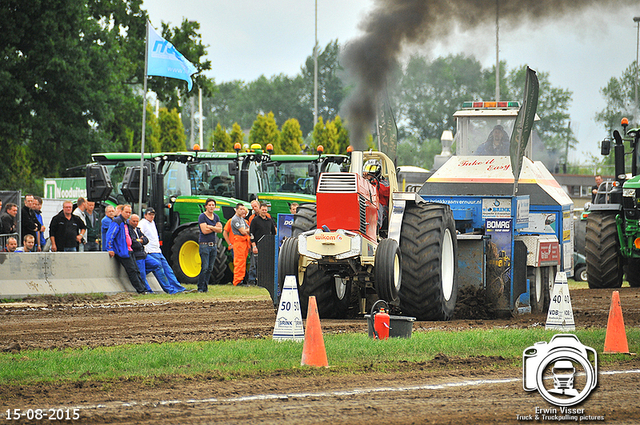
(604, 265)
(288, 260)
(332, 293)
(541, 280)
(428, 244)
(388, 270)
(580, 274)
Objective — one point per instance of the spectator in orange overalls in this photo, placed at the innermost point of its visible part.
(239, 236)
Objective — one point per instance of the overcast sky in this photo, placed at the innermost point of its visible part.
(249, 38)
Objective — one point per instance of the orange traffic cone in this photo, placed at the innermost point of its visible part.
(313, 352)
(616, 339)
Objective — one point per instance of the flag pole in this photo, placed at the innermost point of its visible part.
(144, 119)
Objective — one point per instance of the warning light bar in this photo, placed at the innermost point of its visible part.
(489, 105)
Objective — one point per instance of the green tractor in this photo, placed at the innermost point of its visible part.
(177, 184)
(278, 180)
(612, 244)
(294, 178)
(172, 185)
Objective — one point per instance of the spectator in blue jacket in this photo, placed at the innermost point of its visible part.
(119, 246)
(109, 213)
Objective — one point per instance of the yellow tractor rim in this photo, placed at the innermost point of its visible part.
(190, 262)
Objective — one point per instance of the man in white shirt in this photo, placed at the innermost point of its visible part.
(169, 282)
(79, 211)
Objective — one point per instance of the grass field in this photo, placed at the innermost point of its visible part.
(347, 353)
(228, 359)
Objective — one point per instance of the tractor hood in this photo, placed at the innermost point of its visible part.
(632, 183)
(473, 175)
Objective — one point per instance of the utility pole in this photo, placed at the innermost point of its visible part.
(637, 21)
(192, 103)
(315, 72)
(566, 150)
(201, 129)
(497, 51)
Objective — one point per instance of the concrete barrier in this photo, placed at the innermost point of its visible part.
(51, 273)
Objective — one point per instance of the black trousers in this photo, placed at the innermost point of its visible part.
(131, 268)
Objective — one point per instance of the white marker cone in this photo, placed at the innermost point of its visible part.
(560, 315)
(289, 326)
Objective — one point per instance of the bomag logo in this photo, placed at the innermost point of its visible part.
(498, 225)
(328, 237)
(288, 222)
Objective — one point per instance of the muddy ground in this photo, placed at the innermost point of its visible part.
(442, 390)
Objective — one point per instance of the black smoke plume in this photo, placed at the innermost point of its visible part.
(396, 24)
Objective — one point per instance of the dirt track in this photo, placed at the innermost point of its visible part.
(127, 320)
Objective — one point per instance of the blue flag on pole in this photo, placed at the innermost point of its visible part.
(163, 60)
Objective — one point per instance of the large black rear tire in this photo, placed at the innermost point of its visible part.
(304, 220)
(388, 270)
(602, 251)
(220, 275)
(429, 267)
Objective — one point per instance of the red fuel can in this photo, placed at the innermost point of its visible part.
(381, 324)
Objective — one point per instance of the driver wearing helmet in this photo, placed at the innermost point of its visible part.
(497, 143)
(373, 172)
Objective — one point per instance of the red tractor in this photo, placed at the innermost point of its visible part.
(341, 255)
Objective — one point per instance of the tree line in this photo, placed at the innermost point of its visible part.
(71, 85)
(424, 94)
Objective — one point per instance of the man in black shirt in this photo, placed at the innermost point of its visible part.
(66, 230)
(261, 225)
(8, 219)
(30, 223)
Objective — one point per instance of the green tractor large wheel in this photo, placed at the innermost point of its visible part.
(221, 273)
(186, 262)
(633, 272)
(604, 261)
(428, 244)
(304, 220)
